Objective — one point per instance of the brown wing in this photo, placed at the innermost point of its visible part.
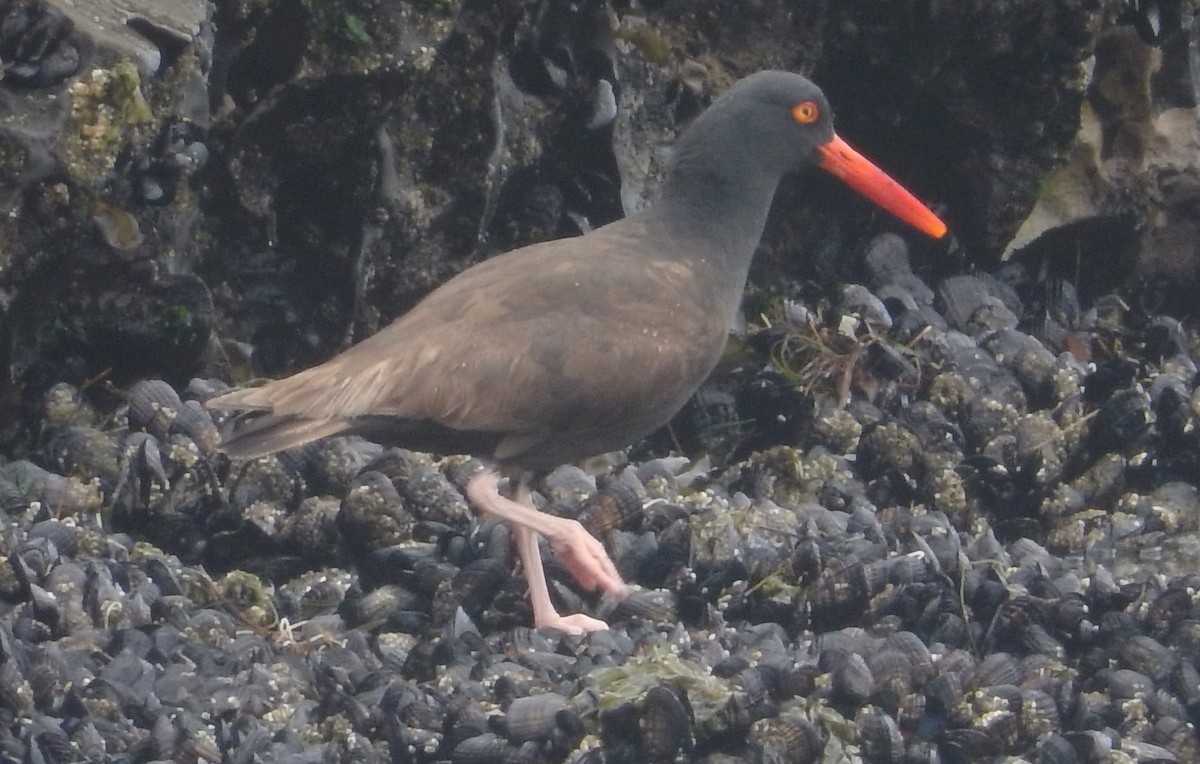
(555, 346)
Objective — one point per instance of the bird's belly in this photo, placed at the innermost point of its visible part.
(608, 419)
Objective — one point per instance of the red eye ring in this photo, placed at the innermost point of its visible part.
(806, 113)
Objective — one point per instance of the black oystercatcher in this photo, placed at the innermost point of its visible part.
(560, 351)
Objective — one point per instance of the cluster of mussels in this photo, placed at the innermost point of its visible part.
(38, 44)
(967, 539)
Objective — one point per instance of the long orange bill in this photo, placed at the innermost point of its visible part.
(859, 173)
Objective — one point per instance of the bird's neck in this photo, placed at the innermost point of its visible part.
(720, 205)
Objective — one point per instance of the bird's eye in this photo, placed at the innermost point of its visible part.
(806, 113)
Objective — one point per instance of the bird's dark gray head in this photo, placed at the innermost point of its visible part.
(766, 125)
(772, 119)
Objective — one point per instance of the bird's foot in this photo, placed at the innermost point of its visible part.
(579, 551)
(544, 613)
(577, 623)
(584, 556)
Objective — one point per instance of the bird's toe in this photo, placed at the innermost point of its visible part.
(576, 623)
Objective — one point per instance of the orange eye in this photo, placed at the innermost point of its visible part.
(806, 113)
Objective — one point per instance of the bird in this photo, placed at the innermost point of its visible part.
(563, 350)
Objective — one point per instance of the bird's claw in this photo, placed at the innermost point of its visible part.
(584, 556)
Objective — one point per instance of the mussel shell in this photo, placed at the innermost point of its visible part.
(60, 496)
(267, 479)
(65, 537)
(1124, 421)
(852, 682)
(311, 530)
(963, 745)
(429, 492)
(153, 406)
(995, 669)
(477, 583)
(372, 515)
(42, 48)
(665, 724)
(616, 506)
(534, 717)
(893, 675)
(488, 748)
(84, 453)
(786, 740)
(880, 736)
(1056, 749)
(1145, 654)
(970, 306)
(842, 593)
(388, 606)
(652, 605)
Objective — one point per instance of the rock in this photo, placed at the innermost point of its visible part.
(151, 33)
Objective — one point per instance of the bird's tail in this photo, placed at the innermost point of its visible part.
(254, 435)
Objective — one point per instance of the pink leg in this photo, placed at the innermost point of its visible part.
(544, 612)
(582, 554)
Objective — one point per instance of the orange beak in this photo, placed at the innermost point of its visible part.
(859, 173)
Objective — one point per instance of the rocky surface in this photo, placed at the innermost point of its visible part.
(946, 521)
(947, 507)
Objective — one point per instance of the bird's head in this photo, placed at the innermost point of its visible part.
(783, 122)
